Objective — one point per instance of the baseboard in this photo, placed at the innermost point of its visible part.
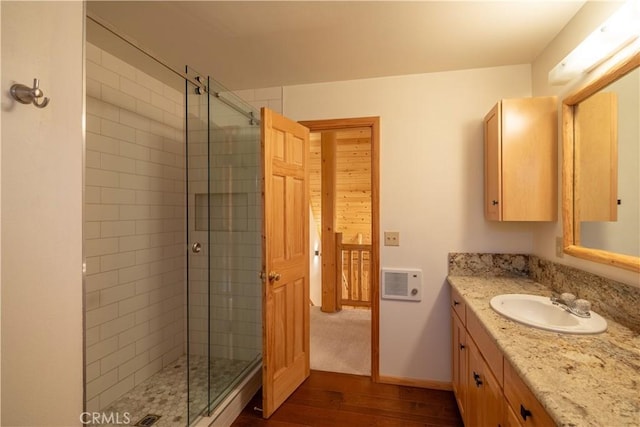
(433, 385)
(230, 408)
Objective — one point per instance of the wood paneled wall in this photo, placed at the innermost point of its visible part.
(353, 205)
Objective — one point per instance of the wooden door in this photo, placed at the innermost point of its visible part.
(285, 155)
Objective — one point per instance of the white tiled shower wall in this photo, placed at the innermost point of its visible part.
(134, 227)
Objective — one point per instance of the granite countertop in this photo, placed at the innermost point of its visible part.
(581, 380)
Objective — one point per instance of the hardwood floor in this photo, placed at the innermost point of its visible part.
(332, 399)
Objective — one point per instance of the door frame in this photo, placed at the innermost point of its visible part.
(374, 124)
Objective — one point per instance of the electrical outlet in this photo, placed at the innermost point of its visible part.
(392, 238)
(559, 247)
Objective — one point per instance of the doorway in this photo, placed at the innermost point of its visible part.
(344, 230)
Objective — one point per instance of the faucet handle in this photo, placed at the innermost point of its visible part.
(582, 306)
(568, 298)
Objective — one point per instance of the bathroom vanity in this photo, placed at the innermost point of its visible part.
(509, 374)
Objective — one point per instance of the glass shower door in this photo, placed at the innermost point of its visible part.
(224, 208)
(235, 289)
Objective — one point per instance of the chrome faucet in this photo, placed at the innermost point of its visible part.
(568, 302)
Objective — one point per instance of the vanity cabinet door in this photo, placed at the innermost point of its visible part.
(520, 160)
(526, 408)
(459, 363)
(485, 401)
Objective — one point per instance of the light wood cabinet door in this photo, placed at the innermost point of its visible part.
(459, 363)
(596, 157)
(492, 164)
(526, 408)
(485, 401)
(520, 159)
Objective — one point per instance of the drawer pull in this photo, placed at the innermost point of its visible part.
(476, 377)
(524, 412)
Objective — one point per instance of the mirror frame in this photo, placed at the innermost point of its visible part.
(571, 228)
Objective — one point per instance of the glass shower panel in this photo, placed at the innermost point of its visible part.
(235, 206)
(224, 208)
(197, 160)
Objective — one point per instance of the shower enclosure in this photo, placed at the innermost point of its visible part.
(172, 238)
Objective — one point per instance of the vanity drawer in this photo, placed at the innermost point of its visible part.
(458, 305)
(527, 409)
(486, 345)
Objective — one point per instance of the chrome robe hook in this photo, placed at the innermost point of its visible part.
(26, 95)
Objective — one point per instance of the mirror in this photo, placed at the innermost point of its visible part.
(601, 155)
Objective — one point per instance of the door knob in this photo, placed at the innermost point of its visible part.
(274, 277)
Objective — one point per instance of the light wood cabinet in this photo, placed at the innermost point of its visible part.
(596, 157)
(488, 390)
(520, 160)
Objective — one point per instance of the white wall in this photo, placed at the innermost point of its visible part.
(431, 184)
(42, 154)
(585, 21)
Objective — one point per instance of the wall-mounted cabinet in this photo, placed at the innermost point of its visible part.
(488, 390)
(520, 160)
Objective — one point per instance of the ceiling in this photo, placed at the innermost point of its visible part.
(245, 44)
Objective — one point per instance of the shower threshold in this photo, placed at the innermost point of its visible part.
(165, 393)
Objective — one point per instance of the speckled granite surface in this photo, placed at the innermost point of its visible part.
(484, 264)
(614, 300)
(581, 380)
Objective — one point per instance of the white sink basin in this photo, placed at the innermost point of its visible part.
(539, 312)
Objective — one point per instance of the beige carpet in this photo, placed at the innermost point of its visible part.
(341, 342)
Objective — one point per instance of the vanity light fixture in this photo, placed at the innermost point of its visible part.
(617, 32)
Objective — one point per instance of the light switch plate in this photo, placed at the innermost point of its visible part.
(392, 238)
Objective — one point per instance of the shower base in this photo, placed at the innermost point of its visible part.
(165, 393)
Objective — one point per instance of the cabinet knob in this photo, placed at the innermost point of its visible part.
(476, 377)
(455, 302)
(494, 202)
(524, 412)
(461, 346)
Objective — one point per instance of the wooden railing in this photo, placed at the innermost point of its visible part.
(354, 272)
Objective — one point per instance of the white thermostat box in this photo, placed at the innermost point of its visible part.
(402, 284)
